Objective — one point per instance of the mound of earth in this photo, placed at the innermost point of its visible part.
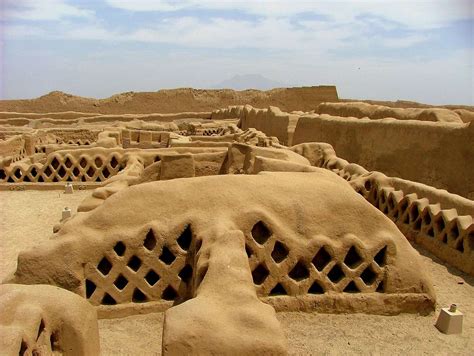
(176, 100)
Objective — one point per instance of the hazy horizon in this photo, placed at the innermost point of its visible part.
(382, 50)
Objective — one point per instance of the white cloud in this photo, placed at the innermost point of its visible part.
(411, 13)
(269, 33)
(39, 10)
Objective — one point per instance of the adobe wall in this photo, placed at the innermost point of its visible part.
(271, 121)
(437, 154)
(360, 110)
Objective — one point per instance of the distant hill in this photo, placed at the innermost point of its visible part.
(249, 81)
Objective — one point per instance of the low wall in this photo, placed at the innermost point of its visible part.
(12, 149)
(438, 154)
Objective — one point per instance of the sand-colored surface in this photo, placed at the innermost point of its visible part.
(28, 216)
(176, 100)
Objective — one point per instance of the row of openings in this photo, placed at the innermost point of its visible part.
(62, 173)
(322, 258)
(420, 220)
(134, 263)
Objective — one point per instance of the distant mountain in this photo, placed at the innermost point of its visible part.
(249, 81)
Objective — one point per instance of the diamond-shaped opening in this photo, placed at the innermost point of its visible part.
(299, 272)
(278, 290)
(150, 241)
(108, 300)
(336, 274)
(259, 274)
(55, 163)
(380, 287)
(316, 288)
(321, 259)
(391, 202)
(261, 233)
(68, 162)
(152, 277)
(353, 258)
(105, 172)
(90, 288)
(368, 185)
(120, 248)
(454, 232)
(138, 296)
(427, 218)
(98, 162)
(280, 252)
(381, 257)
(113, 162)
(430, 232)
(90, 172)
(403, 205)
(184, 240)
(439, 223)
(368, 275)
(33, 172)
(83, 162)
(48, 171)
(104, 266)
(121, 282)
(186, 273)
(169, 293)
(351, 288)
(62, 172)
(248, 250)
(17, 173)
(167, 256)
(134, 263)
(76, 171)
(444, 238)
(414, 213)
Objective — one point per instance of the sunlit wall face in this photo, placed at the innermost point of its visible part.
(414, 50)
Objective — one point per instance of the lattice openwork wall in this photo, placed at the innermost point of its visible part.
(431, 224)
(280, 270)
(156, 269)
(66, 168)
(442, 231)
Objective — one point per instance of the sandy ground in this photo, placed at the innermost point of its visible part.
(28, 216)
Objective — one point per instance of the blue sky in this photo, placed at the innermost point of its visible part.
(406, 49)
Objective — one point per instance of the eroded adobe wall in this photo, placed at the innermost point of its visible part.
(271, 121)
(437, 154)
(360, 110)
